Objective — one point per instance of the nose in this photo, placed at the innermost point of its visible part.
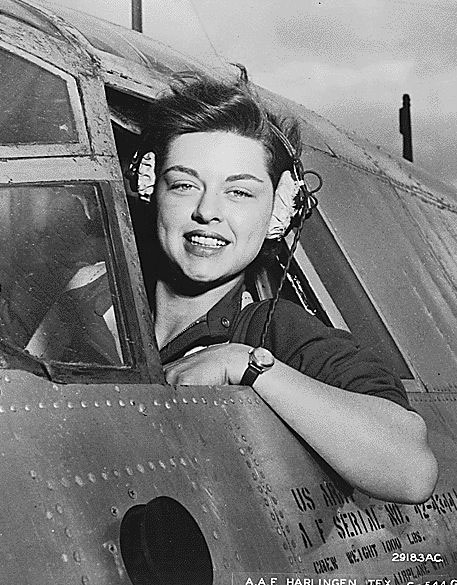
(208, 208)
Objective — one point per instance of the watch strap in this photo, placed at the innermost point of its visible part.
(250, 375)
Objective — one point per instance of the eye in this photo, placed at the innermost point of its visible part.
(240, 193)
(182, 187)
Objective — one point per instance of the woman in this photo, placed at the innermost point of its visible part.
(217, 170)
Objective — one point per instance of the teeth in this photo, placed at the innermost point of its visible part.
(207, 241)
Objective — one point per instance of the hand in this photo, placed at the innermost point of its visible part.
(213, 366)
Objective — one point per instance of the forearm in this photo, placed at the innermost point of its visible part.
(374, 444)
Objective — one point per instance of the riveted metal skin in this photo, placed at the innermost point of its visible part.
(79, 457)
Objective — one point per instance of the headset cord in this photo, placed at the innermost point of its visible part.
(309, 203)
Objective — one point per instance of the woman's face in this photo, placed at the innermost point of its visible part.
(214, 202)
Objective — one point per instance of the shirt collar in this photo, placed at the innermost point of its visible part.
(215, 327)
(220, 318)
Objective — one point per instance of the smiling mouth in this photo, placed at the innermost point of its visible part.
(206, 241)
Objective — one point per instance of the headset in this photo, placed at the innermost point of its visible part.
(131, 174)
(305, 202)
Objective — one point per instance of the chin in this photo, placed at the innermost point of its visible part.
(205, 281)
(206, 274)
(207, 278)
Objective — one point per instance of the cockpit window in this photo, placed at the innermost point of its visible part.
(36, 107)
(348, 294)
(55, 297)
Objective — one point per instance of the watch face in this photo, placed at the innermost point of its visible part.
(263, 357)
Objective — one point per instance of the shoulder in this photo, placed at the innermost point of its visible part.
(331, 355)
(291, 327)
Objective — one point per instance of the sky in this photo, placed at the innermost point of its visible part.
(348, 60)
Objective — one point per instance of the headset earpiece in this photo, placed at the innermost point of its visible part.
(131, 174)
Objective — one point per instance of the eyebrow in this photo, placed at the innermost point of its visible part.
(189, 171)
(182, 169)
(243, 177)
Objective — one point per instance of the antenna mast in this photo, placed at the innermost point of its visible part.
(405, 128)
(137, 15)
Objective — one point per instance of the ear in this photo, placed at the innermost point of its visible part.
(146, 176)
(283, 206)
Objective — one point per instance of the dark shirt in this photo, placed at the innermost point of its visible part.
(297, 339)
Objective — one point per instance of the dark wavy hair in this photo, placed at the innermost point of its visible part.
(200, 104)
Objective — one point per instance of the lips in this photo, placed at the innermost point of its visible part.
(209, 240)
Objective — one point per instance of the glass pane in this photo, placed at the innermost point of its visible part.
(348, 294)
(34, 104)
(55, 299)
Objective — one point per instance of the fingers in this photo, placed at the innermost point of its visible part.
(173, 370)
(204, 367)
(171, 375)
(182, 374)
(176, 378)
(188, 373)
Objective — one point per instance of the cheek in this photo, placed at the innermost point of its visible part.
(257, 227)
(166, 225)
(169, 212)
(265, 216)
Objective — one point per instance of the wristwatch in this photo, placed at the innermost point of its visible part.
(260, 360)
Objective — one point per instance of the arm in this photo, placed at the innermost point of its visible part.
(374, 444)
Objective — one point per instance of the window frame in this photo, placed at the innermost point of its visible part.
(80, 146)
(310, 273)
(134, 370)
(315, 282)
(93, 159)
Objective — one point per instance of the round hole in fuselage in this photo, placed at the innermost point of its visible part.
(162, 544)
